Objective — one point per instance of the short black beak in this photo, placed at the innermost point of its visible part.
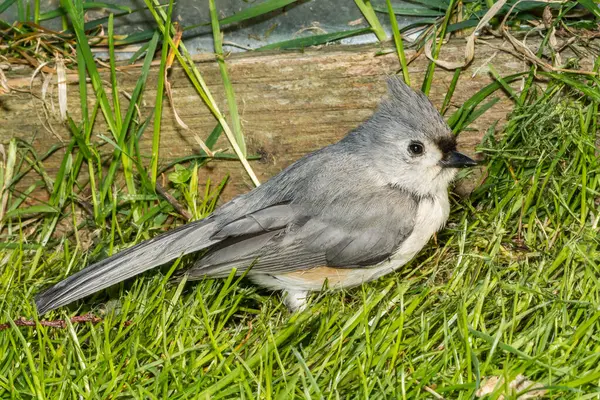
(455, 159)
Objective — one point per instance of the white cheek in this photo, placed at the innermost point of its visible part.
(425, 180)
(431, 158)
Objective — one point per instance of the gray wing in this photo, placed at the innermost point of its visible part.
(344, 233)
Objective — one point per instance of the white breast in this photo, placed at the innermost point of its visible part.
(431, 217)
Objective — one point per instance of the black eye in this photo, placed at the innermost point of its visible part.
(416, 148)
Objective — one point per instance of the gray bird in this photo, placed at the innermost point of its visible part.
(340, 216)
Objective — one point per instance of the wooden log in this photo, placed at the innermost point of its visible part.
(290, 103)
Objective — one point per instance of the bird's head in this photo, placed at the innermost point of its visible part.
(410, 144)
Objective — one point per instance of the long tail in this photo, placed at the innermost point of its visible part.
(130, 262)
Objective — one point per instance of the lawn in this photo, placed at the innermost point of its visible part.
(510, 288)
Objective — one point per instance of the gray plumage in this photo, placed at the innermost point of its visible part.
(350, 205)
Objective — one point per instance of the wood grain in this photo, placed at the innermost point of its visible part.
(290, 103)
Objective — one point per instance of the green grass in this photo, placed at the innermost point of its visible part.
(511, 287)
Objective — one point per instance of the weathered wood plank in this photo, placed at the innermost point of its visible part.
(290, 103)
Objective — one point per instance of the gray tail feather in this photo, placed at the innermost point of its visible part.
(127, 263)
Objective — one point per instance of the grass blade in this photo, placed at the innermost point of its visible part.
(284, 335)
(256, 11)
(37, 209)
(59, 12)
(248, 13)
(192, 72)
(367, 10)
(159, 99)
(76, 16)
(229, 93)
(314, 40)
(569, 79)
(441, 5)
(398, 42)
(505, 85)
(442, 34)
(120, 144)
(450, 91)
(113, 71)
(5, 4)
(413, 12)
(463, 112)
(592, 6)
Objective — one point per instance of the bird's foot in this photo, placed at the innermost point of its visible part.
(295, 300)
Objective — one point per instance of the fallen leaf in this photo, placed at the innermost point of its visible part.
(520, 384)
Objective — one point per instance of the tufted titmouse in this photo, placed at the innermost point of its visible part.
(343, 215)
